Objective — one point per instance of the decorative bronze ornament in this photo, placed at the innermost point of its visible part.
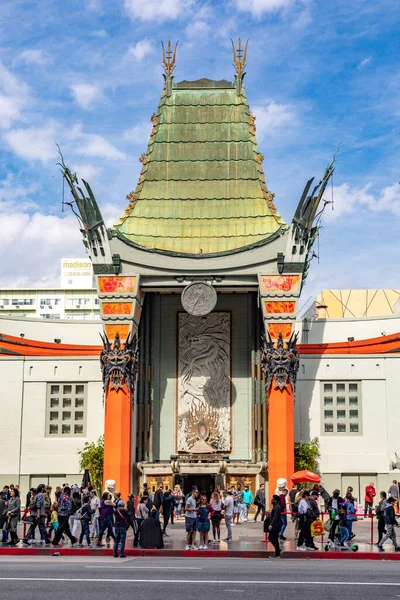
(169, 58)
(280, 362)
(239, 56)
(119, 365)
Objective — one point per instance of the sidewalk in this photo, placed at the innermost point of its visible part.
(247, 543)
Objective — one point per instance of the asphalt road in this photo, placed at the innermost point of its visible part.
(200, 579)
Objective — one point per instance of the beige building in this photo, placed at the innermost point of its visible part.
(339, 304)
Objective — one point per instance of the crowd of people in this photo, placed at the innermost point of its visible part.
(78, 514)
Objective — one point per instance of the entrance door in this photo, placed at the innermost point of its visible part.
(205, 484)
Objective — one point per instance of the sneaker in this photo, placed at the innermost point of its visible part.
(218, 541)
(233, 525)
(397, 549)
(282, 537)
(380, 548)
(99, 545)
(75, 540)
(310, 549)
(274, 557)
(187, 547)
(26, 542)
(90, 546)
(201, 547)
(227, 539)
(80, 545)
(122, 556)
(300, 548)
(206, 547)
(115, 555)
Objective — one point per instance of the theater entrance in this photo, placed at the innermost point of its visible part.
(204, 482)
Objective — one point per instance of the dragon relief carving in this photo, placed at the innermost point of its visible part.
(204, 392)
(280, 362)
(119, 364)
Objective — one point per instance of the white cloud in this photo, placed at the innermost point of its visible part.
(100, 33)
(34, 143)
(90, 144)
(364, 62)
(138, 134)
(13, 96)
(272, 117)
(258, 7)
(349, 199)
(22, 236)
(32, 57)
(86, 94)
(87, 172)
(13, 193)
(156, 10)
(142, 49)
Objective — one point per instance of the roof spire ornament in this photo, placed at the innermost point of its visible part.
(239, 62)
(169, 58)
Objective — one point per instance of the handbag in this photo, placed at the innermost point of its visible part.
(28, 520)
(317, 528)
(328, 525)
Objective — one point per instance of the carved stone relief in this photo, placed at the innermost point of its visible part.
(204, 386)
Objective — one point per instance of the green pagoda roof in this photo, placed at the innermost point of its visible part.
(202, 188)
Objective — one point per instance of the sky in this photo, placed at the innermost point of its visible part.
(87, 74)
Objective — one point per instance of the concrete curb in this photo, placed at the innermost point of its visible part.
(167, 553)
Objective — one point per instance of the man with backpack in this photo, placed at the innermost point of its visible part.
(64, 513)
(123, 521)
(37, 509)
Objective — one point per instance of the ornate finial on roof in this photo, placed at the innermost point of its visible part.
(239, 57)
(169, 58)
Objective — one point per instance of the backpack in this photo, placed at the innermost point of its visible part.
(79, 514)
(32, 503)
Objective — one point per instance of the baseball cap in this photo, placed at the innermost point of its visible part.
(120, 503)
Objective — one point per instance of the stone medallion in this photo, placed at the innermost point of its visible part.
(199, 298)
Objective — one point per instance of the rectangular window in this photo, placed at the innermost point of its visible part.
(341, 408)
(66, 409)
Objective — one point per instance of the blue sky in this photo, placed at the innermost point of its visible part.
(88, 75)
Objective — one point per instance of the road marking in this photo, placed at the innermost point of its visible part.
(204, 582)
(148, 567)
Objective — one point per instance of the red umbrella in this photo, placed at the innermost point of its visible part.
(308, 476)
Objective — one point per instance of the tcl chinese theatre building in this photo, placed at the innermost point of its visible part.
(197, 270)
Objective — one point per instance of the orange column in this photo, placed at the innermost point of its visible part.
(117, 439)
(280, 435)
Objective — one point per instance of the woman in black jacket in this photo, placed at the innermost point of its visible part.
(275, 525)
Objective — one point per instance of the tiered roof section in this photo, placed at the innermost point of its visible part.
(202, 189)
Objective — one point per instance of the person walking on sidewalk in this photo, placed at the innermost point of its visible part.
(228, 514)
(39, 518)
(123, 521)
(259, 501)
(394, 493)
(283, 505)
(390, 524)
(216, 516)
(380, 515)
(190, 520)
(370, 494)
(86, 513)
(13, 513)
(64, 513)
(166, 510)
(247, 502)
(275, 525)
(158, 499)
(305, 523)
(142, 513)
(333, 508)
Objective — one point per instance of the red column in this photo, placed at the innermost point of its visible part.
(280, 435)
(117, 439)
